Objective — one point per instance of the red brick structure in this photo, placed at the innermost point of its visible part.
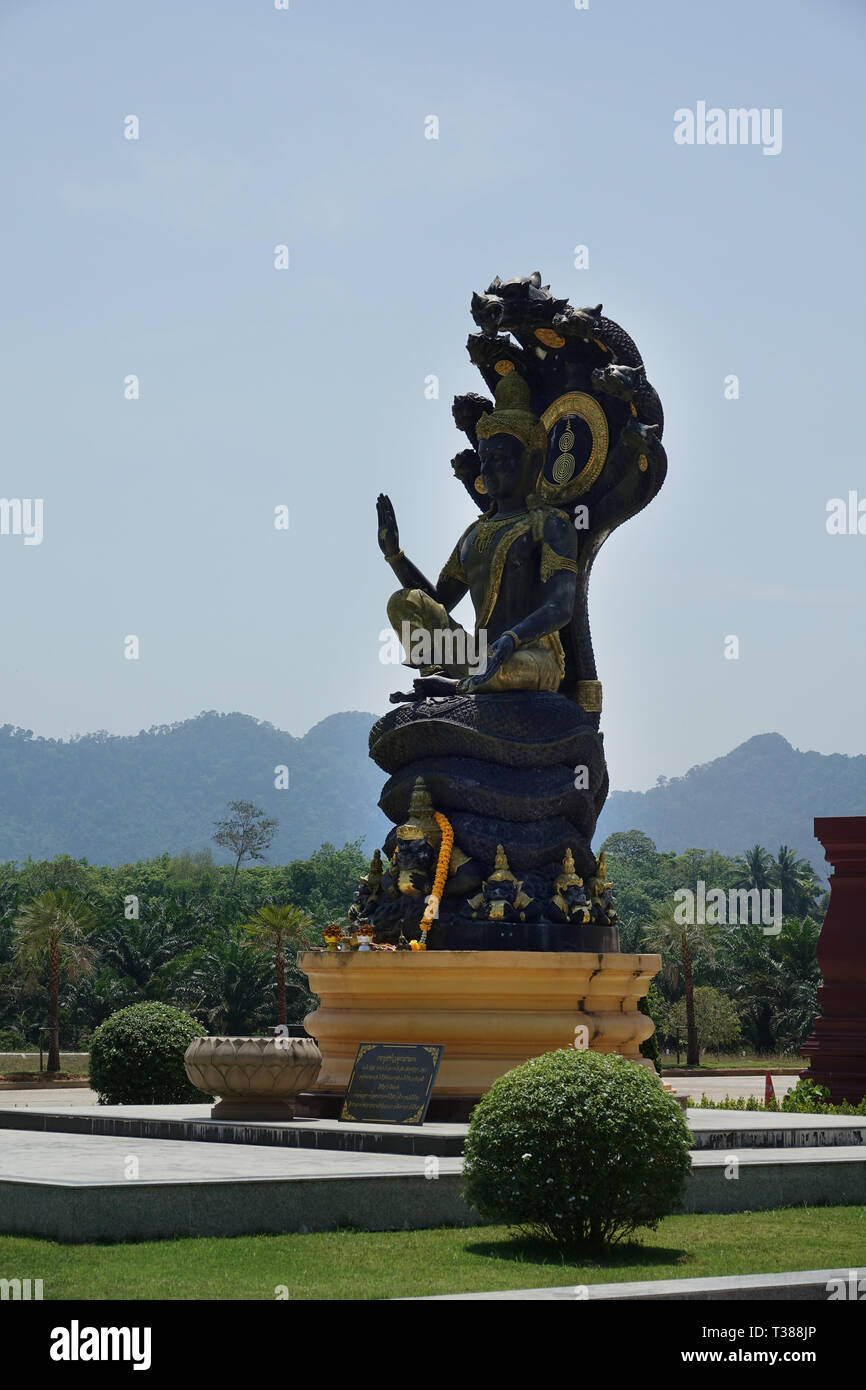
(837, 1046)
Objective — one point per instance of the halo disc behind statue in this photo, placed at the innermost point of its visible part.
(558, 483)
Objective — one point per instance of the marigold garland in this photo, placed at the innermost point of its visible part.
(442, 865)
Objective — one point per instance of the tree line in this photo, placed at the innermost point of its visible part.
(722, 983)
(80, 941)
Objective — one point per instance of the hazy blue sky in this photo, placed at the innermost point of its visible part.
(306, 387)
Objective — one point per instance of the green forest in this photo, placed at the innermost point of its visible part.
(176, 928)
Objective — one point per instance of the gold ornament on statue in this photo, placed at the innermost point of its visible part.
(513, 415)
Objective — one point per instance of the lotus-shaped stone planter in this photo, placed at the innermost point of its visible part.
(255, 1078)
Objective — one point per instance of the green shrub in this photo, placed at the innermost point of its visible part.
(806, 1098)
(577, 1147)
(136, 1057)
(653, 1005)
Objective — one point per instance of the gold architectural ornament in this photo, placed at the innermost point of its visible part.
(589, 696)
(420, 822)
(503, 367)
(563, 468)
(569, 876)
(512, 414)
(479, 485)
(501, 872)
(549, 337)
(561, 488)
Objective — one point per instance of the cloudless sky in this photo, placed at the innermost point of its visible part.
(305, 387)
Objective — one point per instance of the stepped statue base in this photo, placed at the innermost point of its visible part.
(492, 1010)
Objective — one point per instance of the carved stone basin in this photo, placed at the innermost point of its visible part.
(255, 1078)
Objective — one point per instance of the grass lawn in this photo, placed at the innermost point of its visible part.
(363, 1265)
(730, 1061)
(72, 1063)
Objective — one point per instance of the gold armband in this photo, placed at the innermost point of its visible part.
(550, 562)
(453, 569)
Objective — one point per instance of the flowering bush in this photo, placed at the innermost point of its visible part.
(577, 1147)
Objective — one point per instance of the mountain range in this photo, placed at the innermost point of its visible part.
(114, 799)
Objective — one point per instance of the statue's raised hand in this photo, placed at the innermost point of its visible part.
(389, 536)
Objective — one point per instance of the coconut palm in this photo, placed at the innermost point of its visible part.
(797, 880)
(50, 930)
(273, 929)
(754, 869)
(677, 944)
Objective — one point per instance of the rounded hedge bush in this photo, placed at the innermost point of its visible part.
(577, 1147)
(136, 1057)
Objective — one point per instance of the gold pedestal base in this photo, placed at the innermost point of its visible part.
(491, 1010)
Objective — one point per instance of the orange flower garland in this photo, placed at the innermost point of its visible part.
(442, 865)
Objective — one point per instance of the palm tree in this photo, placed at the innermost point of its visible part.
(795, 949)
(798, 883)
(755, 869)
(52, 927)
(273, 929)
(677, 945)
(752, 975)
(227, 985)
(137, 950)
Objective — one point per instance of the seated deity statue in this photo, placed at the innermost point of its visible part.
(502, 898)
(569, 902)
(518, 563)
(412, 867)
(601, 893)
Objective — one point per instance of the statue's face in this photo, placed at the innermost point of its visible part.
(502, 891)
(574, 895)
(501, 457)
(413, 855)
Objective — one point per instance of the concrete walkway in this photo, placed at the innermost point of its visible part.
(48, 1097)
(718, 1087)
(714, 1087)
(814, 1285)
